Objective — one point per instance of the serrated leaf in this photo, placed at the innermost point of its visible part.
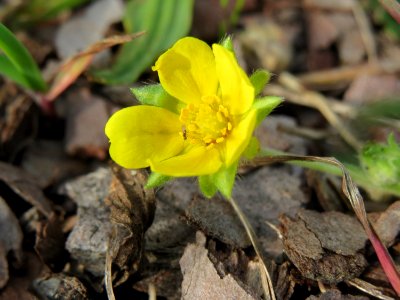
(155, 95)
(164, 23)
(17, 63)
(259, 79)
(265, 105)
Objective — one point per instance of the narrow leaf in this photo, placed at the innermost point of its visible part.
(164, 22)
(21, 59)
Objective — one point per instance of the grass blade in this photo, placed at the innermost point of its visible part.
(25, 70)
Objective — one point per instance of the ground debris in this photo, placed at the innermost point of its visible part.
(10, 241)
(87, 115)
(216, 218)
(59, 286)
(201, 280)
(336, 295)
(387, 223)
(25, 186)
(88, 240)
(324, 246)
(131, 212)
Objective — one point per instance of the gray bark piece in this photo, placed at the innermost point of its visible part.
(169, 228)
(201, 280)
(87, 242)
(336, 231)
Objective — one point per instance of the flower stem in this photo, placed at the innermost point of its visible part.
(265, 277)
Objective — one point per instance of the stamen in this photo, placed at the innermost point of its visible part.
(207, 123)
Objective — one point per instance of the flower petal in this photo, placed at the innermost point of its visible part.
(239, 138)
(187, 70)
(236, 88)
(195, 161)
(140, 133)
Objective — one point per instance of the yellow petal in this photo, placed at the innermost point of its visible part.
(140, 133)
(239, 138)
(236, 88)
(187, 70)
(193, 162)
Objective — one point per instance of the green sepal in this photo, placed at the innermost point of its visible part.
(227, 43)
(221, 181)
(253, 148)
(259, 79)
(156, 179)
(155, 95)
(207, 186)
(224, 179)
(265, 105)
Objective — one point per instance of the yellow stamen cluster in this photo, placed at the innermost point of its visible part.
(207, 122)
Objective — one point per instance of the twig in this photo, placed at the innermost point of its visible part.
(108, 274)
(365, 31)
(318, 101)
(347, 74)
(368, 288)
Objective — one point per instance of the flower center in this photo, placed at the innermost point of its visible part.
(207, 123)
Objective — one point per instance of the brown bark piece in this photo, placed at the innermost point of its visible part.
(336, 295)
(370, 88)
(48, 163)
(387, 224)
(324, 246)
(87, 116)
(201, 280)
(26, 186)
(132, 210)
(50, 243)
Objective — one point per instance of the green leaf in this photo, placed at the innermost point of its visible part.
(259, 79)
(156, 180)
(155, 95)
(164, 22)
(265, 105)
(42, 10)
(18, 64)
(207, 186)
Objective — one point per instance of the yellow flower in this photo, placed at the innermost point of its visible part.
(208, 129)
